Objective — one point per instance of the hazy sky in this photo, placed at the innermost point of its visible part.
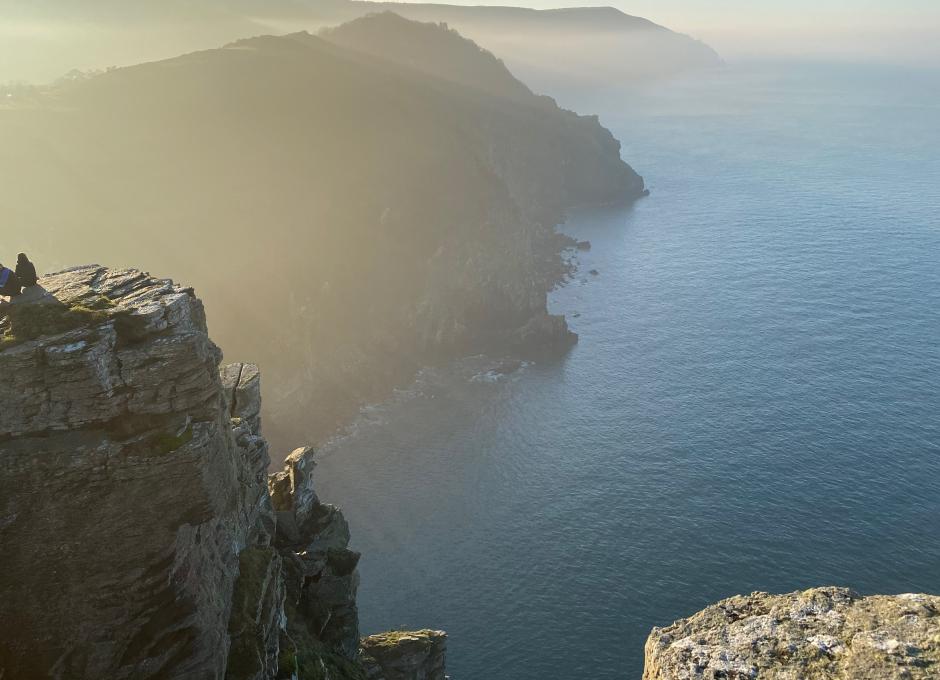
(904, 30)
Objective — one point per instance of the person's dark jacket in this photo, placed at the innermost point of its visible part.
(26, 273)
(9, 283)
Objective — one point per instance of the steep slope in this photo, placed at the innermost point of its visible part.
(141, 534)
(548, 48)
(347, 217)
(572, 47)
(431, 49)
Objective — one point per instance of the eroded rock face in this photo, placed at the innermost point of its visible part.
(125, 498)
(399, 655)
(819, 634)
(138, 533)
(324, 575)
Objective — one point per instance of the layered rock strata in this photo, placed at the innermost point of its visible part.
(139, 534)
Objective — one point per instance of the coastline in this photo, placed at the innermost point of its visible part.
(542, 336)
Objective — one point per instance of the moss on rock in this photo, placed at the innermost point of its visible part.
(252, 623)
(25, 322)
(168, 443)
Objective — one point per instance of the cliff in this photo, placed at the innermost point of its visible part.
(564, 48)
(402, 214)
(576, 45)
(819, 634)
(141, 534)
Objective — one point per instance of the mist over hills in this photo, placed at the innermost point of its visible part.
(346, 217)
(439, 53)
(572, 47)
(547, 48)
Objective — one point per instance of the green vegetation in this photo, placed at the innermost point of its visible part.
(302, 652)
(168, 443)
(246, 656)
(312, 661)
(99, 303)
(393, 638)
(419, 209)
(26, 322)
(30, 321)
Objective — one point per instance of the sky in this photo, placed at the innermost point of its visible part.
(897, 30)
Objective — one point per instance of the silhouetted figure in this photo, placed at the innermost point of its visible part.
(26, 271)
(9, 283)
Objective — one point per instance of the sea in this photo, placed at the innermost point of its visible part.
(754, 403)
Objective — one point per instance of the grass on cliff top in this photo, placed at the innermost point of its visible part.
(26, 322)
(393, 638)
(30, 321)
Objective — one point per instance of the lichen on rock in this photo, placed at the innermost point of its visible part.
(818, 634)
(405, 655)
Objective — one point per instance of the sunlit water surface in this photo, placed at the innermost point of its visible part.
(754, 403)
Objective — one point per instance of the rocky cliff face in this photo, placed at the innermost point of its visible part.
(408, 215)
(819, 634)
(141, 538)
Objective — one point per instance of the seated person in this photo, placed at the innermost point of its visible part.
(9, 283)
(26, 271)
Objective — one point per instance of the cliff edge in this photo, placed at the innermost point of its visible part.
(818, 634)
(141, 534)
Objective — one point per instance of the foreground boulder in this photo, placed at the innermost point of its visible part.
(138, 532)
(819, 634)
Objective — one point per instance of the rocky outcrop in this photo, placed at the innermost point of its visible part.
(819, 634)
(139, 535)
(120, 484)
(323, 568)
(402, 655)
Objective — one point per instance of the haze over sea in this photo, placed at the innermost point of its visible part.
(754, 403)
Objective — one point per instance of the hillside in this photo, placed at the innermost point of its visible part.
(549, 49)
(346, 217)
(577, 47)
(430, 49)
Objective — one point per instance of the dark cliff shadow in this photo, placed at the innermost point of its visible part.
(36, 295)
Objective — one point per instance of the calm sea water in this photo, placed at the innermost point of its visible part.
(754, 403)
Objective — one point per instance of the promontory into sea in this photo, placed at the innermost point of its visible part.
(259, 223)
(136, 489)
(372, 215)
